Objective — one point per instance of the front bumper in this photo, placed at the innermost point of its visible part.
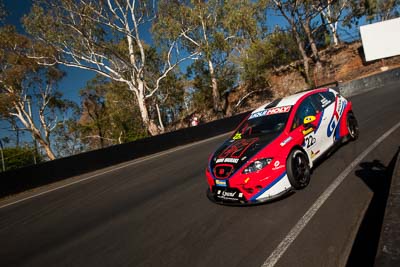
(213, 196)
(231, 195)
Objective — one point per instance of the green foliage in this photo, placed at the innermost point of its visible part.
(18, 157)
(277, 49)
(199, 75)
(170, 98)
(373, 10)
(109, 114)
(218, 31)
(381, 10)
(28, 91)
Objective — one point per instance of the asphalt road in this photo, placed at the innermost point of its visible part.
(154, 211)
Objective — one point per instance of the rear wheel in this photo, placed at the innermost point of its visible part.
(298, 169)
(352, 126)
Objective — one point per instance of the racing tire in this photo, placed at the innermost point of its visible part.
(352, 126)
(298, 169)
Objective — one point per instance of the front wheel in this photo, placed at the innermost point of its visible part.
(352, 126)
(298, 169)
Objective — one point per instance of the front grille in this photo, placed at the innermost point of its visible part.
(223, 171)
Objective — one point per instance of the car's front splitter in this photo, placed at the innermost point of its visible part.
(211, 197)
(232, 196)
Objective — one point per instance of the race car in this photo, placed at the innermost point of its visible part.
(274, 148)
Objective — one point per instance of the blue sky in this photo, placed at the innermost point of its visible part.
(75, 79)
(70, 85)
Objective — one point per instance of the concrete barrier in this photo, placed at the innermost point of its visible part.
(369, 83)
(36, 175)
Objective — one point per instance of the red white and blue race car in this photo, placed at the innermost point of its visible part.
(273, 150)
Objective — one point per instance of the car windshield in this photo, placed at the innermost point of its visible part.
(263, 125)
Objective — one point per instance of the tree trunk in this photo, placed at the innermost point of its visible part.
(100, 133)
(314, 49)
(162, 128)
(48, 150)
(303, 53)
(43, 143)
(334, 35)
(214, 85)
(151, 127)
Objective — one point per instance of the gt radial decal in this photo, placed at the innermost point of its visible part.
(340, 105)
(332, 125)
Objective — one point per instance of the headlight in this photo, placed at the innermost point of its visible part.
(257, 165)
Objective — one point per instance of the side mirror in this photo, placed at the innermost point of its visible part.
(309, 119)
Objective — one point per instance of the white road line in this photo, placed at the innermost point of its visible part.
(137, 161)
(302, 223)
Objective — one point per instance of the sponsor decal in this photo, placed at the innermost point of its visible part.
(237, 149)
(325, 102)
(277, 166)
(228, 160)
(313, 154)
(257, 114)
(270, 111)
(305, 132)
(226, 195)
(220, 183)
(287, 140)
(266, 178)
(341, 105)
(237, 136)
(231, 160)
(277, 110)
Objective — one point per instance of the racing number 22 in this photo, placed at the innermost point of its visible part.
(310, 141)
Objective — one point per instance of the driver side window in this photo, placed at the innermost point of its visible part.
(305, 109)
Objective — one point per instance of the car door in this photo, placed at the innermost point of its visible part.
(326, 107)
(314, 137)
(327, 125)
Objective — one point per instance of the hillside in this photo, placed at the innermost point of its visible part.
(341, 64)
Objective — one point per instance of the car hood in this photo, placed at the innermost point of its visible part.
(233, 154)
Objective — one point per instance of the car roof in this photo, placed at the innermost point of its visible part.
(287, 101)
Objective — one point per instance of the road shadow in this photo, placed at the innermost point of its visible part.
(378, 178)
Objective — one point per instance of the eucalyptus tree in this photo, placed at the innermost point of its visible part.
(28, 92)
(332, 12)
(108, 38)
(109, 114)
(287, 10)
(381, 10)
(214, 29)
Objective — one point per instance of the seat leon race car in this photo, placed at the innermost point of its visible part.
(273, 150)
